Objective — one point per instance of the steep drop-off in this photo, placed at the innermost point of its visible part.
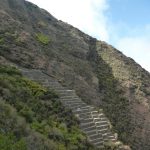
(100, 74)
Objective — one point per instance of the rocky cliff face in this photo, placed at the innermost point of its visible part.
(100, 74)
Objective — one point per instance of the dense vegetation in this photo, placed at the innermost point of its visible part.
(114, 103)
(32, 117)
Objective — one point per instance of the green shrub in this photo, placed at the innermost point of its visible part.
(9, 70)
(27, 113)
(9, 142)
(44, 39)
(1, 40)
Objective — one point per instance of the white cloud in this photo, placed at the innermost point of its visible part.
(137, 48)
(87, 15)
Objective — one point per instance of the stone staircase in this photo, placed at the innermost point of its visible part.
(92, 122)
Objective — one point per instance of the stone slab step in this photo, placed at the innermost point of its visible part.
(102, 131)
(90, 133)
(101, 123)
(88, 128)
(71, 99)
(67, 91)
(95, 112)
(99, 144)
(94, 136)
(74, 107)
(75, 102)
(87, 125)
(68, 96)
(98, 120)
(87, 120)
(96, 140)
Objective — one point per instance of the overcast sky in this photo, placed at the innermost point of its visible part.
(125, 24)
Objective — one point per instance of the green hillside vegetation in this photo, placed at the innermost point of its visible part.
(42, 38)
(32, 117)
(114, 103)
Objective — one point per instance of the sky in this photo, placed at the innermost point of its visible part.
(125, 24)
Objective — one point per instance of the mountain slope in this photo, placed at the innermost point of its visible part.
(32, 117)
(100, 74)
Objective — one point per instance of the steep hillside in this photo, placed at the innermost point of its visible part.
(32, 117)
(134, 83)
(100, 74)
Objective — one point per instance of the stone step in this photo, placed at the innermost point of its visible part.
(90, 133)
(77, 111)
(75, 103)
(107, 140)
(61, 95)
(71, 99)
(99, 144)
(98, 119)
(95, 112)
(108, 134)
(110, 137)
(87, 125)
(68, 96)
(76, 106)
(102, 131)
(86, 116)
(87, 108)
(94, 137)
(101, 115)
(66, 91)
(101, 126)
(101, 122)
(86, 120)
(65, 94)
(73, 107)
(88, 128)
(83, 113)
(104, 119)
(96, 140)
